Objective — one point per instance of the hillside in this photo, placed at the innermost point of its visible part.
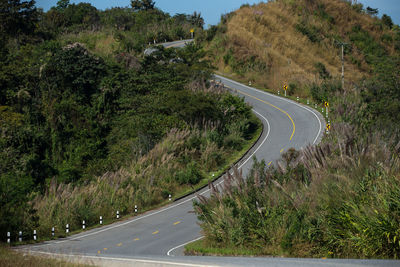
(90, 126)
(339, 199)
(283, 42)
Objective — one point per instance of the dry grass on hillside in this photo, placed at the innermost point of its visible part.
(267, 33)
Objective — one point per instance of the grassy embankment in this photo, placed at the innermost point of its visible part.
(293, 209)
(10, 258)
(295, 43)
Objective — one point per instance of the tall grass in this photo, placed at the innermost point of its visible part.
(9, 258)
(280, 42)
(340, 199)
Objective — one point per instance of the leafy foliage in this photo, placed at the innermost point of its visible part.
(114, 125)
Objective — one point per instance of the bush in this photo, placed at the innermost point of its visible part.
(322, 71)
(311, 32)
(190, 176)
(326, 90)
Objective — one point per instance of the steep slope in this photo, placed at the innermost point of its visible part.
(296, 42)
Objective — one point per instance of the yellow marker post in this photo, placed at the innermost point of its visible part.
(192, 32)
(285, 88)
(328, 127)
(326, 104)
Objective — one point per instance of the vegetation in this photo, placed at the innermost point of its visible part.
(89, 125)
(293, 209)
(282, 42)
(9, 258)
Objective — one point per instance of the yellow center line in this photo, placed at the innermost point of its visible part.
(105, 249)
(281, 110)
(282, 149)
(98, 252)
(156, 232)
(120, 244)
(175, 223)
(269, 164)
(136, 239)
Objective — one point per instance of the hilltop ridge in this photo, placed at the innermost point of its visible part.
(296, 42)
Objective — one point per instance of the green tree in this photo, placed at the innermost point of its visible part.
(142, 4)
(387, 20)
(62, 5)
(17, 18)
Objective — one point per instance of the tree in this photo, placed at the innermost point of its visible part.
(142, 4)
(196, 20)
(372, 11)
(17, 17)
(387, 20)
(62, 5)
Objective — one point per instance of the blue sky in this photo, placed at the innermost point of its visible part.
(211, 10)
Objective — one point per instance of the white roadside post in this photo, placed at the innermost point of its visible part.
(135, 208)
(83, 225)
(169, 197)
(279, 92)
(20, 236)
(308, 102)
(315, 105)
(67, 228)
(8, 237)
(52, 231)
(117, 214)
(34, 235)
(298, 99)
(101, 220)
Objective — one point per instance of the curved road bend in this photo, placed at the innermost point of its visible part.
(152, 237)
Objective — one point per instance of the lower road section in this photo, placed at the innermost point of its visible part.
(154, 237)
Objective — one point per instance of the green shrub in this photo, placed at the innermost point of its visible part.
(190, 175)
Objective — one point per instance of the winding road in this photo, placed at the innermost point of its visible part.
(157, 238)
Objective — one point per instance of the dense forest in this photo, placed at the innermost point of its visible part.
(89, 125)
(340, 199)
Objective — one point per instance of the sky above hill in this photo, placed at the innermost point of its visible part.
(211, 10)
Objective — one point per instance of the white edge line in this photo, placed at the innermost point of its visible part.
(159, 211)
(250, 157)
(172, 249)
(118, 259)
(281, 98)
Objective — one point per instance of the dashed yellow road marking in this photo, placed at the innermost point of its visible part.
(269, 164)
(120, 244)
(156, 232)
(98, 252)
(105, 249)
(136, 239)
(178, 222)
(282, 150)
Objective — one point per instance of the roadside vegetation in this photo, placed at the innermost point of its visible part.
(9, 258)
(90, 126)
(297, 43)
(340, 199)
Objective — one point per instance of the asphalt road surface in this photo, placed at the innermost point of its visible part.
(157, 238)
